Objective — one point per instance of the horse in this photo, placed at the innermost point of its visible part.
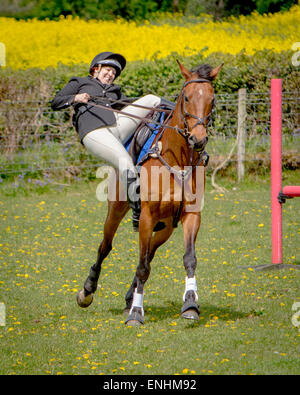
(179, 151)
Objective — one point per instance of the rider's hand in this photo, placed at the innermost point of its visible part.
(82, 98)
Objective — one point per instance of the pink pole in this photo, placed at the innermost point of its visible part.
(276, 170)
(292, 190)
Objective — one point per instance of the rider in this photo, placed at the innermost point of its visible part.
(104, 132)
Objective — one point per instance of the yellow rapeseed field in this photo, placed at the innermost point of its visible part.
(36, 43)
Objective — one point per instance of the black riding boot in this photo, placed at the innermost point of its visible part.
(133, 196)
(134, 200)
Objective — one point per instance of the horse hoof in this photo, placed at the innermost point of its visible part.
(134, 319)
(84, 300)
(190, 314)
(133, 323)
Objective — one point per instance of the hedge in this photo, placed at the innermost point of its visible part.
(160, 76)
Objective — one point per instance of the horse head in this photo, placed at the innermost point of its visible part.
(196, 102)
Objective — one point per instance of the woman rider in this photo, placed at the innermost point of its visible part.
(104, 132)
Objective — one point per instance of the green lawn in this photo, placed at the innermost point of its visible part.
(49, 241)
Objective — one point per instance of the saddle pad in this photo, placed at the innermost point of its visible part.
(138, 152)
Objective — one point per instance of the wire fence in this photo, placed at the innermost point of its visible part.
(36, 140)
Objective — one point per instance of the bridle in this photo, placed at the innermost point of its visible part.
(186, 132)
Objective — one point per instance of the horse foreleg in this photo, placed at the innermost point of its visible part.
(116, 212)
(157, 240)
(191, 224)
(136, 313)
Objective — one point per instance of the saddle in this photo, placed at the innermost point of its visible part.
(141, 141)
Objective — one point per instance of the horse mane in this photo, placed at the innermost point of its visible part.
(203, 71)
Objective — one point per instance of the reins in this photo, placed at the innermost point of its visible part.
(155, 150)
(146, 120)
(182, 175)
(184, 132)
(131, 104)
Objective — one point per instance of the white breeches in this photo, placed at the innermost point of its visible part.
(107, 143)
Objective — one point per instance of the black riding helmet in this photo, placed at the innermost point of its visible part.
(109, 59)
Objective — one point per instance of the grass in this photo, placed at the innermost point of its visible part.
(49, 241)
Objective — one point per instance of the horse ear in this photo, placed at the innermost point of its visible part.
(186, 73)
(216, 71)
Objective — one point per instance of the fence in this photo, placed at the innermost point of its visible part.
(37, 141)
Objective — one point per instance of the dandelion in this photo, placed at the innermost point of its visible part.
(224, 360)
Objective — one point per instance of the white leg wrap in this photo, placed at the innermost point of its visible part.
(190, 285)
(137, 301)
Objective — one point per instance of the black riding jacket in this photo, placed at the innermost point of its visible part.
(88, 117)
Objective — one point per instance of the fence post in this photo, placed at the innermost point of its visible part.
(241, 133)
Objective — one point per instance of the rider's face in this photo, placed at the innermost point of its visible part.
(106, 74)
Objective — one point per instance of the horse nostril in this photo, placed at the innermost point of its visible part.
(198, 145)
(202, 143)
(193, 140)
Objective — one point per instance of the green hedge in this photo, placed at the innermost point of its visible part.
(239, 71)
(162, 76)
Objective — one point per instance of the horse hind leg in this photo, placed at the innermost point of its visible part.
(116, 212)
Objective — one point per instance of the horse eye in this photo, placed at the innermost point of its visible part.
(186, 99)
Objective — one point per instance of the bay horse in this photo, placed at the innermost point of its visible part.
(179, 151)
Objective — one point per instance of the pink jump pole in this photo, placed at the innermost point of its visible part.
(291, 190)
(278, 195)
(276, 171)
